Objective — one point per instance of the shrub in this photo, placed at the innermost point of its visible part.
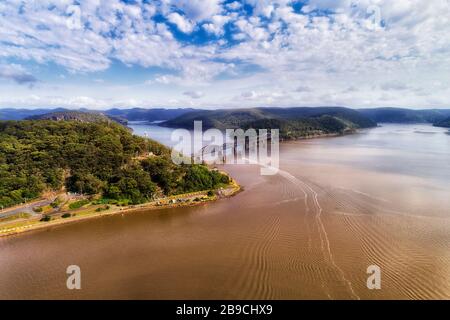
(102, 209)
(78, 204)
(46, 218)
(54, 204)
(66, 215)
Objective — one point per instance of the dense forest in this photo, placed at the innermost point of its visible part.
(140, 114)
(401, 115)
(444, 123)
(183, 117)
(293, 123)
(302, 128)
(134, 114)
(91, 158)
(78, 116)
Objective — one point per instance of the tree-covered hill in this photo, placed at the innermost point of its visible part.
(90, 158)
(220, 119)
(402, 115)
(21, 114)
(350, 116)
(151, 115)
(444, 123)
(78, 116)
(303, 128)
(133, 114)
(293, 122)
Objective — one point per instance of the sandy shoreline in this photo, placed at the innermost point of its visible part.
(159, 204)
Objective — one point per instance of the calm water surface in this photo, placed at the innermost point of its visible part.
(337, 206)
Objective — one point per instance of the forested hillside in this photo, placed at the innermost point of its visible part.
(78, 116)
(444, 123)
(90, 158)
(134, 114)
(293, 122)
(151, 115)
(401, 115)
(302, 128)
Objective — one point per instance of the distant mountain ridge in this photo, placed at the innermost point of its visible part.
(134, 114)
(151, 115)
(78, 116)
(20, 114)
(293, 123)
(401, 115)
(181, 117)
(235, 118)
(443, 123)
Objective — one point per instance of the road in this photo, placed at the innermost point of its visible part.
(26, 208)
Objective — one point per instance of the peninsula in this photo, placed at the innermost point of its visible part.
(56, 171)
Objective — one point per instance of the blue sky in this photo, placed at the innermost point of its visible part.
(212, 53)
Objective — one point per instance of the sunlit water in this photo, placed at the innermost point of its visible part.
(337, 206)
(154, 131)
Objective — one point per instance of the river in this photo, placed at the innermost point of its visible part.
(337, 206)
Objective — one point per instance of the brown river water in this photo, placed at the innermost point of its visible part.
(338, 205)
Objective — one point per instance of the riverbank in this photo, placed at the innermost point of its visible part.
(91, 211)
(352, 195)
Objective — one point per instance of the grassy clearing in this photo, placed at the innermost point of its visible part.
(78, 204)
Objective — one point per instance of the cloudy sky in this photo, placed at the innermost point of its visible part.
(224, 53)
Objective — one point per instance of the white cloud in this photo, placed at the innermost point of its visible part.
(394, 85)
(249, 95)
(198, 10)
(16, 73)
(303, 89)
(236, 5)
(216, 26)
(163, 79)
(194, 94)
(264, 98)
(397, 63)
(183, 24)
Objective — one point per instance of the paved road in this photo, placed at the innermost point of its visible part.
(28, 208)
